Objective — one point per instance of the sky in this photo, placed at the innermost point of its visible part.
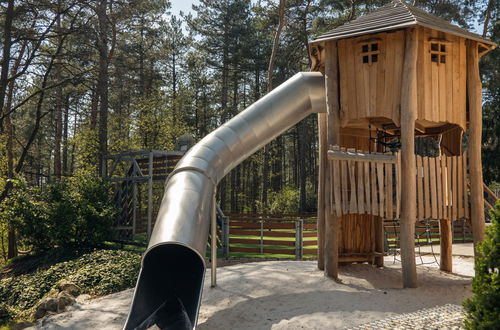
(184, 5)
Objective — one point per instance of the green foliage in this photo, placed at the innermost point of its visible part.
(97, 273)
(72, 214)
(284, 201)
(483, 308)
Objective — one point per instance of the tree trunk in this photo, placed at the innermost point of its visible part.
(102, 83)
(7, 43)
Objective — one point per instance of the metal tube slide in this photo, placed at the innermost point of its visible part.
(168, 291)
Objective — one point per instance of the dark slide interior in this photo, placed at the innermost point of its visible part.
(168, 289)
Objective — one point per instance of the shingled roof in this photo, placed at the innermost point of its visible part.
(396, 15)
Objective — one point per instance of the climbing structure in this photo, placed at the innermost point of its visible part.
(394, 77)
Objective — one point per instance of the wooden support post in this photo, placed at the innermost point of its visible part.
(446, 259)
(379, 240)
(150, 194)
(475, 130)
(408, 171)
(332, 227)
(321, 188)
(134, 209)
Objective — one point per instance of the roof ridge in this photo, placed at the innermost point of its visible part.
(404, 4)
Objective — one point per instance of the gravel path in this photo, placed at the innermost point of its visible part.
(295, 295)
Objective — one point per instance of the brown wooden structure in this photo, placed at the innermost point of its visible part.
(138, 177)
(392, 76)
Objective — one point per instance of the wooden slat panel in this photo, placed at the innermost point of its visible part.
(310, 251)
(381, 188)
(353, 206)
(433, 184)
(398, 186)
(366, 168)
(466, 190)
(310, 234)
(345, 188)
(361, 188)
(336, 187)
(309, 226)
(449, 187)
(420, 188)
(388, 185)
(309, 243)
(427, 196)
(454, 187)
(460, 190)
(373, 179)
(439, 183)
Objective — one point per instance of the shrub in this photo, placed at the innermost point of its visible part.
(483, 308)
(72, 214)
(97, 273)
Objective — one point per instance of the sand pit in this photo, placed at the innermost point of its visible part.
(294, 295)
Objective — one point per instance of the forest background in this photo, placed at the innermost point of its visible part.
(80, 79)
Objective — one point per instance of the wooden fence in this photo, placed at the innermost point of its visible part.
(295, 236)
(371, 184)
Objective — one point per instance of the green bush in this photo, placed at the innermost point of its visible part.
(97, 273)
(72, 214)
(483, 308)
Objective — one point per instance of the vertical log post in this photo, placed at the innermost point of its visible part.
(321, 188)
(332, 225)
(475, 129)
(408, 171)
(446, 259)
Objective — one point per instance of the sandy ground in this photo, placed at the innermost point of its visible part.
(294, 295)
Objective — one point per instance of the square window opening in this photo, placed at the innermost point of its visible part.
(365, 59)
(434, 47)
(434, 58)
(374, 47)
(364, 48)
(374, 58)
(443, 48)
(443, 59)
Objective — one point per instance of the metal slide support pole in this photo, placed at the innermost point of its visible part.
(213, 244)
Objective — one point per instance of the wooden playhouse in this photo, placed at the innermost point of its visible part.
(395, 76)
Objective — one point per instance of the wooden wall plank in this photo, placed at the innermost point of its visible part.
(449, 187)
(466, 190)
(433, 184)
(420, 188)
(398, 186)
(381, 189)
(460, 192)
(336, 188)
(439, 184)
(388, 186)
(361, 188)
(353, 205)
(373, 178)
(454, 187)
(345, 187)
(366, 168)
(427, 196)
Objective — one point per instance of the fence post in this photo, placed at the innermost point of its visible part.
(298, 238)
(261, 236)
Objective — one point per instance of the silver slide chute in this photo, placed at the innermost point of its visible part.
(168, 291)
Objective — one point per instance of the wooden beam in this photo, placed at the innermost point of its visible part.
(379, 241)
(474, 90)
(362, 157)
(322, 128)
(150, 195)
(408, 171)
(332, 226)
(446, 239)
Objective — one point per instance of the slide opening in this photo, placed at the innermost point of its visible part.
(168, 290)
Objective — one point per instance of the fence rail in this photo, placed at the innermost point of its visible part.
(295, 236)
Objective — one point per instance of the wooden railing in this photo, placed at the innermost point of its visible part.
(370, 184)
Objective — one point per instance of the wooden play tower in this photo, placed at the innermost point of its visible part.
(393, 76)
